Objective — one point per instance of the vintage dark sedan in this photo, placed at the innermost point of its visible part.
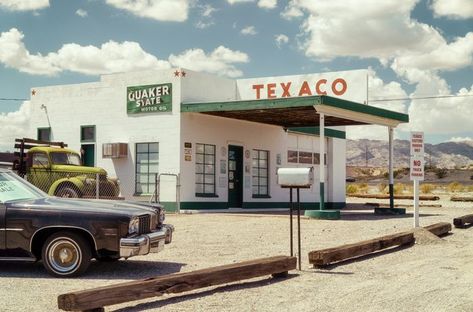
(67, 233)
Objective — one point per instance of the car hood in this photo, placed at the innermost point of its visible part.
(109, 207)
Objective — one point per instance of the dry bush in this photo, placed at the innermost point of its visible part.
(352, 189)
(427, 188)
(383, 188)
(398, 188)
(455, 187)
(363, 188)
(469, 188)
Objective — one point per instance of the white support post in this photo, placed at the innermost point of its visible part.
(391, 171)
(322, 160)
(416, 203)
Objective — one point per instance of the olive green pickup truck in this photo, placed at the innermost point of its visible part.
(58, 171)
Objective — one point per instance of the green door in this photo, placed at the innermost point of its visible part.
(88, 155)
(235, 176)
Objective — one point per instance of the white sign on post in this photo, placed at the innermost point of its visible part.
(417, 169)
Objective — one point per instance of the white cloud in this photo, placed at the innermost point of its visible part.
(281, 39)
(206, 14)
(24, 5)
(161, 10)
(220, 61)
(460, 139)
(14, 125)
(267, 4)
(82, 13)
(249, 31)
(239, 1)
(108, 58)
(456, 9)
(111, 57)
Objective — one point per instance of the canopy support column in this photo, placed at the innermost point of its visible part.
(322, 160)
(391, 173)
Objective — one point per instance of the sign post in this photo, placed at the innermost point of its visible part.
(417, 169)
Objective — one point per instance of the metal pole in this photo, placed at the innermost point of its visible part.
(290, 222)
(322, 160)
(299, 228)
(156, 187)
(97, 185)
(178, 193)
(391, 171)
(416, 203)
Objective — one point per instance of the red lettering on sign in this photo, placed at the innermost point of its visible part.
(258, 90)
(317, 87)
(285, 89)
(271, 91)
(334, 86)
(305, 89)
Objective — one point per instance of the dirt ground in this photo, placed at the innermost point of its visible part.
(433, 275)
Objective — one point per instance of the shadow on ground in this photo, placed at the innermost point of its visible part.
(195, 295)
(123, 269)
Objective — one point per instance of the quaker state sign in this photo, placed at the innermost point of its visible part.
(149, 99)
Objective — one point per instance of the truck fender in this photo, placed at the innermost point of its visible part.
(75, 181)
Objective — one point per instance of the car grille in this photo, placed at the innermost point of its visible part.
(145, 224)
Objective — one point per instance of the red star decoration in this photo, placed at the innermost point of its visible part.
(183, 73)
(33, 92)
(176, 73)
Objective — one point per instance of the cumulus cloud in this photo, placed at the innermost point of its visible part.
(14, 125)
(249, 31)
(161, 10)
(24, 5)
(219, 61)
(267, 4)
(82, 13)
(460, 139)
(239, 1)
(281, 39)
(206, 16)
(456, 9)
(111, 57)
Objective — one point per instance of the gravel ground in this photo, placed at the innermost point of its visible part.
(433, 275)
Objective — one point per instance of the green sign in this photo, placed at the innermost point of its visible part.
(149, 99)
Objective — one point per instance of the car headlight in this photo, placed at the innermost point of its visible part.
(162, 215)
(134, 225)
(89, 181)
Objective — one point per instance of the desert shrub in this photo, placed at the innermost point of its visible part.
(471, 177)
(454, 187)
(363, 188)
(469, 188)
(441, 172)
(352, 189)
(398, 188)
(383, 188)
(427, 188)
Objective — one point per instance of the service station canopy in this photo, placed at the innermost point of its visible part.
(300, 112)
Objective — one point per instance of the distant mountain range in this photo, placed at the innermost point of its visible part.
(375, 153)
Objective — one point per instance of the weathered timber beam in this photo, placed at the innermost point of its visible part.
(386, 196)
(462, 198)
(330, 255)
(439, 229)
(461, 222)
(174, 283)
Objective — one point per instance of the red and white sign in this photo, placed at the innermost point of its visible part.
(417, 168)
(348, 85)
(417, 156)
(417, 144)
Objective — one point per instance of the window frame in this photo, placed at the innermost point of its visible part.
(258, 176)
(203, 173)
(137, 174)
(82, 140)
(38, 130)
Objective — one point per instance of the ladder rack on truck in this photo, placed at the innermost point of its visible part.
(23, 145)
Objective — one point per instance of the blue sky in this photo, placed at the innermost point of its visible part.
(412, 48)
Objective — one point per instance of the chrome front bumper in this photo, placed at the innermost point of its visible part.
(146, 243)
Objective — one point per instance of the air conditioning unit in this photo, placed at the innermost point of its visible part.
(114, 150)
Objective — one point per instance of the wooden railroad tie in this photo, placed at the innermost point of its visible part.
(464, 221)
(97, 298)
(462, 198)
(386, 196)
(323, 257)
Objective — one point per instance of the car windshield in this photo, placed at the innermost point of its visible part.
(60, 158)
(13, 188)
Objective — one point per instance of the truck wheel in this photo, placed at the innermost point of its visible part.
(67, 191)
(66, 254)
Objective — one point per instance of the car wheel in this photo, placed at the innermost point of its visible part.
(67, 191)
(66, 254)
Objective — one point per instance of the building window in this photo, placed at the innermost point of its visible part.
(44, 134)
(260, 169)
(292, 157)
(204, 170)
(147, 164)
(87, 133)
